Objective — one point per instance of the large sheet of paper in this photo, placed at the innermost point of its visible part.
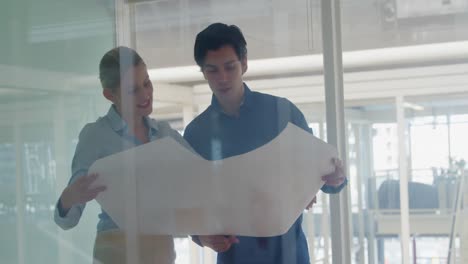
(174, 191)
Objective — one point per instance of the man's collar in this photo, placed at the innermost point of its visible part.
(246, 102)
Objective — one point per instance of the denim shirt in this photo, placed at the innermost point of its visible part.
(215, 136)
(107, 136)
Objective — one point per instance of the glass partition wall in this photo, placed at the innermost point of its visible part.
(405, 99)
(275, 31)
(406, 89)
(49, 89)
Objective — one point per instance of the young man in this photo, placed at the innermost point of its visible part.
(238, 121)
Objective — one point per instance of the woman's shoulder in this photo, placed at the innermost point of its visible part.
(163, 127)
(98, 128)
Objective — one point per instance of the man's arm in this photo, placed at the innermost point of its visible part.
(335, 181)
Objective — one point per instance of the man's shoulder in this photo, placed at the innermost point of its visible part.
(283, 107)
(263, 96)
(269, 102)
(200, 121)
(268, 98)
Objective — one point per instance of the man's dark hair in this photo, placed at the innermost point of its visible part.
(217, 35)
(114, 64)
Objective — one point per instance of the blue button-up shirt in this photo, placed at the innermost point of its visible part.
(216, 135)
(108, 135)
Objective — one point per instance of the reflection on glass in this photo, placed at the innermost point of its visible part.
(48, 90)
(49, 52)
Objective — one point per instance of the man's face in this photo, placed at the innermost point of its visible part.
(223, 70)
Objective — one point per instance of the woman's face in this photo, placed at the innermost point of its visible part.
(135, 96)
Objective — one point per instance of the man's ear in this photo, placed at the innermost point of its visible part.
(244, 64)
(108, 94)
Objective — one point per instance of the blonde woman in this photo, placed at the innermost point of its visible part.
(127, 124)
